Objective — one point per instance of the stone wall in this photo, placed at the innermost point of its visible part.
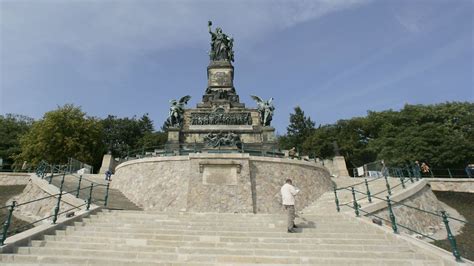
(10, 179)
(269, 174)
(452, 184)
(414, 219)
(36, 189)
(217, 182)
(336, 166)
(155, 183)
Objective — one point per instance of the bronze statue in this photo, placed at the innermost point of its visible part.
(266, 109)
(175, 117)
(221, 45)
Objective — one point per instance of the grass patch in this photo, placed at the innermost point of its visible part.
(464, 204)
(6, 192)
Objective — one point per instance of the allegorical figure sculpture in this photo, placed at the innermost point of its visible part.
(223, 140)
(175, 118)
(221, 45)
(266, 109)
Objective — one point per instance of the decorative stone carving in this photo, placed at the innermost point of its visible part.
(220, 139)
(266, 109)
(220, 118)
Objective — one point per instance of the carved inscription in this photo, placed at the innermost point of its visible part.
(221, 79)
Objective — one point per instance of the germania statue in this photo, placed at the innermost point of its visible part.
(221, 45)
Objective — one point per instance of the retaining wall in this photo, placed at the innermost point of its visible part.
(218, 182)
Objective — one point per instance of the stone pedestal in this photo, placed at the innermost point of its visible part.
(268, 134)
(220, 112)
(173, 138)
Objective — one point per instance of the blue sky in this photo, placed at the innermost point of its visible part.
(336, 59)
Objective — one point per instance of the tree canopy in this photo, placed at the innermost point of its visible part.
(441, 135)
(300, 128)
(122, 135)
(63, 133)
(12, 127)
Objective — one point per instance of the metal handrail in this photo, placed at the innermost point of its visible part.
(444, 216)
(41, 170)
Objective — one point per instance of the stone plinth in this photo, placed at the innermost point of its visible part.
(210, 182)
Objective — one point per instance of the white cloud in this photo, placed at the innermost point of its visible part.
(92, 27)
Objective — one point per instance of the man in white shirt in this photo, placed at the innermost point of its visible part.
(288, 192)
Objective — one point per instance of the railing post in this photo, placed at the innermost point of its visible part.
(51, 179)
(387, 184)
(392, 216)
(7, 223)
(369, 197)
(62, 182)
(403, 182)
(356, 205)
(449, 172)
(431, 173)
(451, 238)
(52, 170)
(78, 186)
(336, 200)
(411, 179)
(56, 209)
(89, 200)
(106, 194)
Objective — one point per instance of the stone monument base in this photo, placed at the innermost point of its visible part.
(218, 182)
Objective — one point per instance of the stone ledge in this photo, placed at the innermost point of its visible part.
(452, 184)
(400, 196)
(454, 180)
(221, 156)
(153, 159)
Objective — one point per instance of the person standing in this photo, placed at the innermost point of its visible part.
(108, 175)
(288, 193)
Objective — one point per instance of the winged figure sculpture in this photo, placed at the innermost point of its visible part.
(266, 109)
(175, 117)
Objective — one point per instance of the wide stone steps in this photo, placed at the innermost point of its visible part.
(173, 254)
(9, 259)
(129, 237)
(173, 245)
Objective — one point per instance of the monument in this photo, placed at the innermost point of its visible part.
(221, 159)
(220, 121)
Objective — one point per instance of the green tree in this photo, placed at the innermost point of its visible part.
(12, 127)
(298, 130)
(153, 139)
(441, 135)
(63, 133)
(122, 135)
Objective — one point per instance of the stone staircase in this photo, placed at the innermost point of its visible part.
(153, 238)
(324, 237)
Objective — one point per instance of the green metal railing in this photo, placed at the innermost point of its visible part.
(355, 205)
(415, 171)
(48, 172)
(162, 151)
